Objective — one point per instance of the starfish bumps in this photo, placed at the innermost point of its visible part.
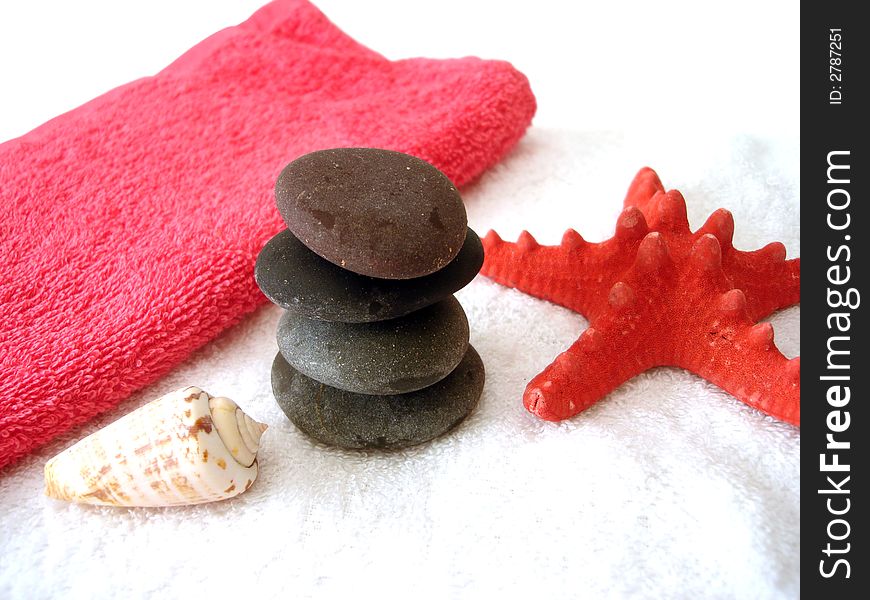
(657, 294)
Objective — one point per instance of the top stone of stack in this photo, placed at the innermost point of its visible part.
(374, 212)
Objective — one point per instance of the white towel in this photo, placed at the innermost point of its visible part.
(668, 487)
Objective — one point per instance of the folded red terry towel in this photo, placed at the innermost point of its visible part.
(130, 225)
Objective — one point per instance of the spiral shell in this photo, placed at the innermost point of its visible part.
(186, 447)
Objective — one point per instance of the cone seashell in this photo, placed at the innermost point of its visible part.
(186, 447)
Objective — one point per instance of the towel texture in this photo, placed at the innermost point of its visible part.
(130, 225)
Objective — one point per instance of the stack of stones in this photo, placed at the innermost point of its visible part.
(373, 346)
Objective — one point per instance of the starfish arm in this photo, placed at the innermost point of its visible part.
(603, 358)
(662, 210)
(546, 272)
(742, 359)
(769, 282)
(575, 274)
(644, 186)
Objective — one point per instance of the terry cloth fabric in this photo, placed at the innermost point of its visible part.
(666, 488)
(130, 225)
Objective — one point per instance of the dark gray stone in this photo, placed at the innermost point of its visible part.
(357, 421)
(386, 357)
(295, 278)
(374, 212)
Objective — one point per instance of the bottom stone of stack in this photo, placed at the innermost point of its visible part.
(359, 421)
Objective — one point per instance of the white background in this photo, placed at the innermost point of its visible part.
(594, 65)
(667, 488)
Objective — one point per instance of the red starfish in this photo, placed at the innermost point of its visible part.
(657, 294)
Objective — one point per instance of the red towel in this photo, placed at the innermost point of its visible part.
(130, 225)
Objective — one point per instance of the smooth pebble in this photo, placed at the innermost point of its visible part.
(374, 212)
(357, 421)
(386, 357)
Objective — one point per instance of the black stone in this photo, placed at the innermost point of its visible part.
(387, 357)
(375, 212)
(358, 421)
(295, 278)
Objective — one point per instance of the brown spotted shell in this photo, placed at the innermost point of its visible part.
(186, 447)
